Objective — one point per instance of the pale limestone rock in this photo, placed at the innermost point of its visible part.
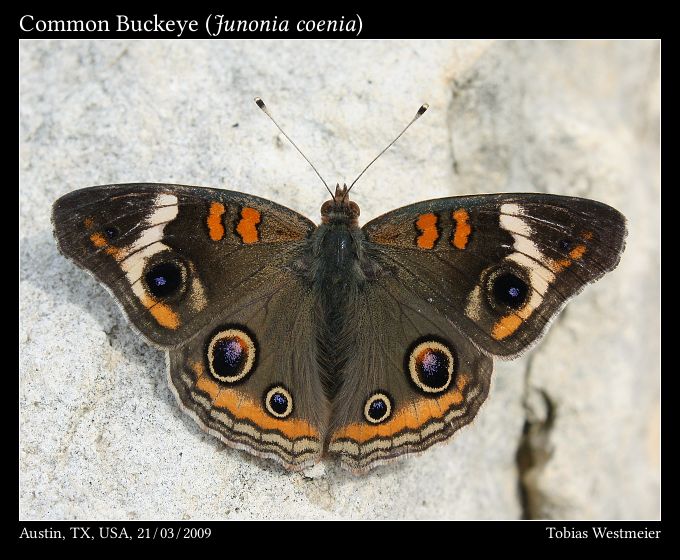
(100, 433)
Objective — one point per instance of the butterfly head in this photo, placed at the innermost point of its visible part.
(340, 209)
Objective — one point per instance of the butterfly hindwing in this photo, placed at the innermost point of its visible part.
(411, 379)
(251, 377)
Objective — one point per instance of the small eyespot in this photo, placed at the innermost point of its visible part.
(164, 279)
(431, 365)
(564, 244)
(231, 354)
(111, 233)
(509, 289)
(378, 408)
(278, 402)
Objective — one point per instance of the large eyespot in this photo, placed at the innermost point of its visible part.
(431, 364)
(378, 408)
(231, 354)
(507, 289)
(278, 402)
(165, 277)
(510, 290)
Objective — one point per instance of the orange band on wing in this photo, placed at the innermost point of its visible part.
(463, 229)
(162, 312)
(165, 316)
(574, 255)
(100, 242)
(247, 227)
(508, 324)
(577, 252)
(505, 326)
(427, 225)
(214, 221)
(411, 417)
(242, 407)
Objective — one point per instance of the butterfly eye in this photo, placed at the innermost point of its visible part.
(354, 209)
(165, 279)
(378, 408)
(231, 354)
(278, 402)
(431, 365)
(326, 207)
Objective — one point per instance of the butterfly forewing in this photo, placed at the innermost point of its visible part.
(173, 254)
(498, 267)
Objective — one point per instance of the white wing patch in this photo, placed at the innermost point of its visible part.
(134, 257)
(526, 253)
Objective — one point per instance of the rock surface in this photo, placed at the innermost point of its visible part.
(570, 430)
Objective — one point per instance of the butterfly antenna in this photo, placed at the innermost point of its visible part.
(420, 112)
(265, 110)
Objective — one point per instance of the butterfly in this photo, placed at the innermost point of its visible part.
(296, 341)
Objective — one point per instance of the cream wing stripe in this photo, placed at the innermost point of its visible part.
(134, 257)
